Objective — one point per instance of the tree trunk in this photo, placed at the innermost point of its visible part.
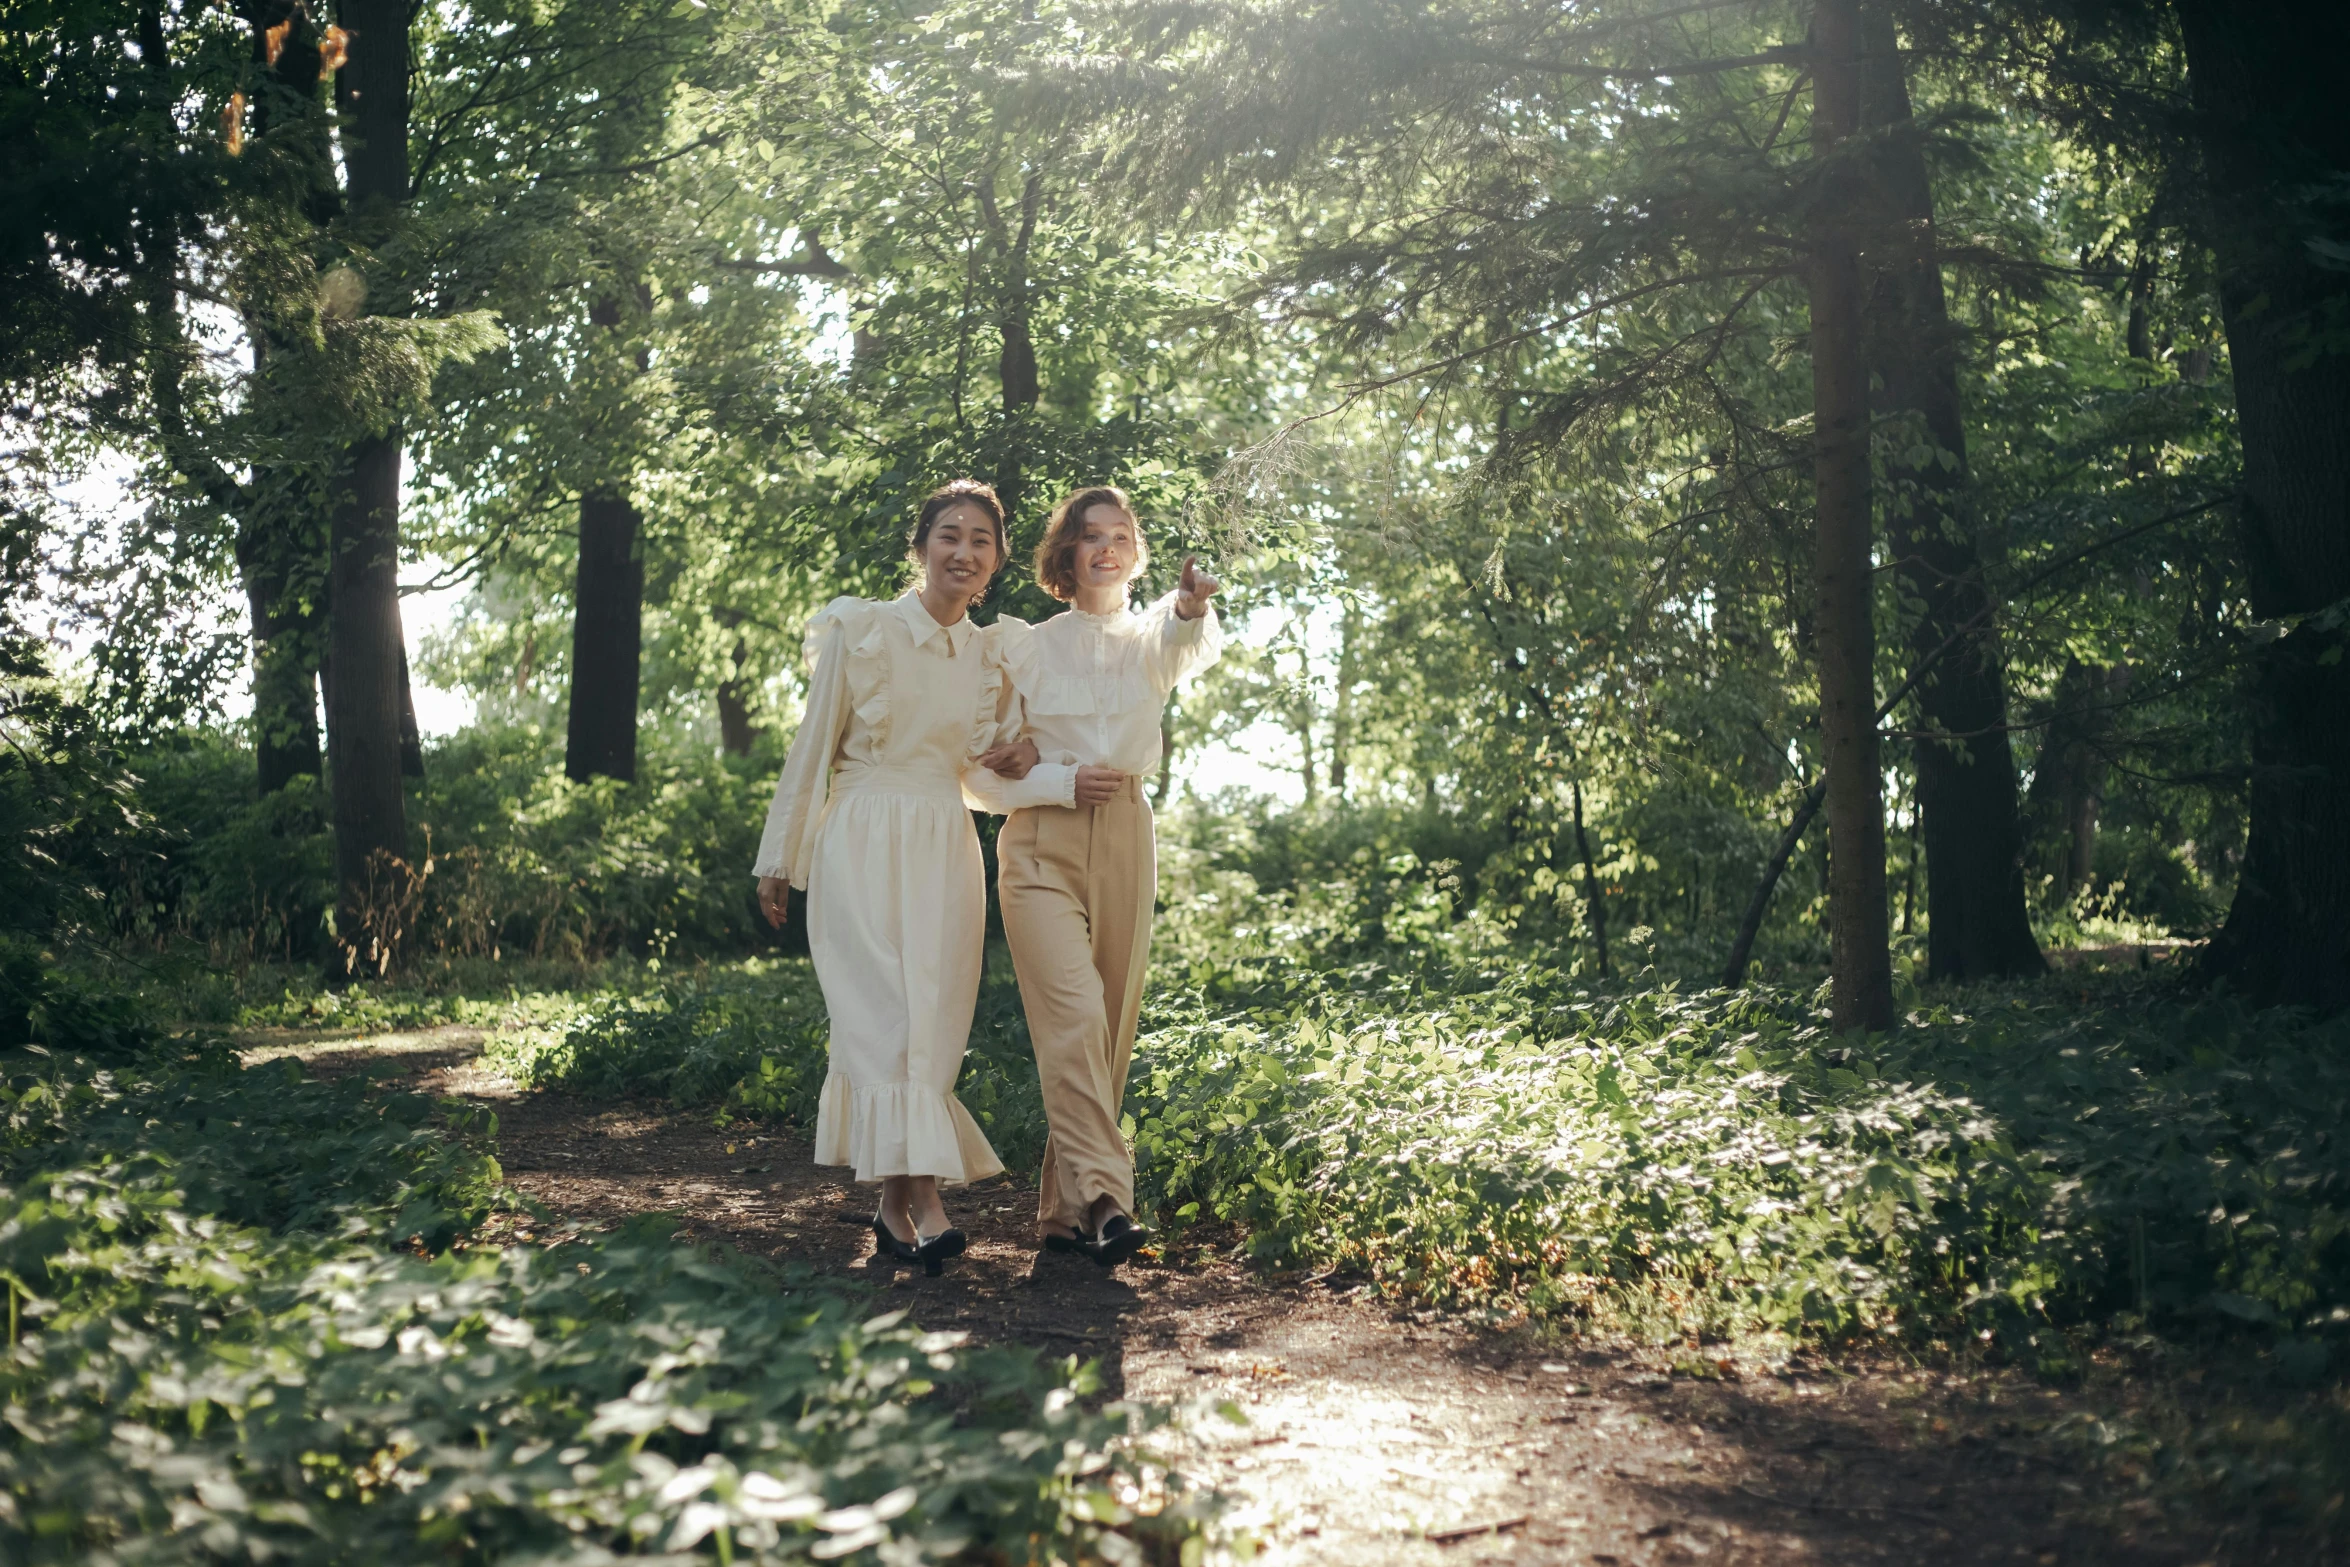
(1342, 706)
(411, 737)
(606, 640)
(371, 93)
(367, 696)
(736, 733)
(1976, 925)
(286, 656)
(1166, 778)
(608, 608)
(1750, 924)
(2068, 784)
(281, 562)
(1909, 874)
(1016, 369)
(2267, 91)
(1592, 901)
(364, 702)
(1861, 967)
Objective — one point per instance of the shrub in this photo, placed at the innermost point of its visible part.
(1515, 1139)
(513, 859)
(751, 1040)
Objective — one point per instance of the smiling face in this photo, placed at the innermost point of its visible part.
(963, 550)
(1108, 547)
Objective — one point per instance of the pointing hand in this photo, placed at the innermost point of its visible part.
(1191, 598)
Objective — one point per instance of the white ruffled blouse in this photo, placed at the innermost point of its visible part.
(1089, 689)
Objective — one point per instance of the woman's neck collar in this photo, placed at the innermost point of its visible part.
(1100, 603)
(945, 608)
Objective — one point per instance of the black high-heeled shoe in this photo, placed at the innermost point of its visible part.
(1120, 1238)
(888, 1248)
(934, 1252)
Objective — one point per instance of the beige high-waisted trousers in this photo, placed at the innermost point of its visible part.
(1077, 889)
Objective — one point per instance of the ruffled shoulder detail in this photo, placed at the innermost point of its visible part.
(851, 615)
(865, 641)
(1007, 656)
(1010, 645)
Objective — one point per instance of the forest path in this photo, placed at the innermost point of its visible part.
(1370, 1434)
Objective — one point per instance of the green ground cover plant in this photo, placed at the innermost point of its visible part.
(2008, 1161)
(750, 1040)
(247, 1320)
(1494, 1134)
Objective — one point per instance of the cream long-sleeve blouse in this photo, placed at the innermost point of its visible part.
(1090, 689)
(846, 730)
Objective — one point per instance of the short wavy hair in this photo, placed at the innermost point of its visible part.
(962, 492)
(1056, 553)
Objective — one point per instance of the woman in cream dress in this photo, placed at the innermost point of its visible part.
(870, 817)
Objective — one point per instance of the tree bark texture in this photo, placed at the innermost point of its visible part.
(367, 694)
(1016, 369)
(1750, 924)
(1861, 968)
(1592, 902)
(371, 91)
(411, 737)
(1342, 705)
(281, 526)
(607, 633)
(736, 732)
(2068, 784)
(1166, 779)
(2267, 93)
(364, 701)
(608, 610)
(1976, 924)
(286, 618)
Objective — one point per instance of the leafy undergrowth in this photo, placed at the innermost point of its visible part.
(2072, 1179)
(750, 1040)
(244, 1324)
(1505, 1137)
(2006, 1160)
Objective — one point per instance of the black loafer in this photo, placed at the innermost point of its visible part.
(1079, 1244)
(934, 1252)
(1120, 1239)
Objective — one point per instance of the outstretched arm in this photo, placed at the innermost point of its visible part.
(1187, 637)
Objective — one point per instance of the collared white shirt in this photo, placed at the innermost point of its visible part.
(1093, 688)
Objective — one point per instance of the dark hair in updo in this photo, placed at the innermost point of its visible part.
(961, 492)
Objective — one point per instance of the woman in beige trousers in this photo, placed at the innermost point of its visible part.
(1078, 879)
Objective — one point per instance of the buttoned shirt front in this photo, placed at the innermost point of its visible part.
(1093, 688)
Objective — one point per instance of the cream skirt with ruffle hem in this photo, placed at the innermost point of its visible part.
(897, 909)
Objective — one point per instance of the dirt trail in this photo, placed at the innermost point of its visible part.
(1371, 1436)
